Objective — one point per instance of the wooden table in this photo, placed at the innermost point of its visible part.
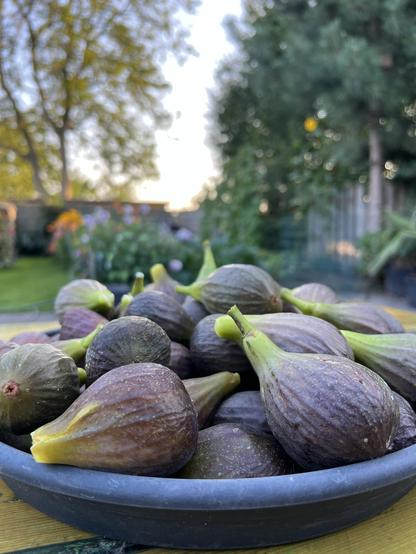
(24, 529)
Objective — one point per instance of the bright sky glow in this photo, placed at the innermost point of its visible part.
(185, 161)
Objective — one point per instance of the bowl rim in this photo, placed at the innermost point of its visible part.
(209, 494)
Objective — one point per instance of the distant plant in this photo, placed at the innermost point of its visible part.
(112, 248)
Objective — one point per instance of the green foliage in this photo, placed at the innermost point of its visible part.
(395, 243)
(84, 75)
(112, 250)
(349, 67)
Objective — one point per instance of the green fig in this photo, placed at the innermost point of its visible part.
(135, 419)
(207, 392)
(316, 292)
(393, 357)
(163, 282)
(124, 341)
(137, 288)
(293, 333)
(243, 408)
(165, 311)
(84, 293)
(180, 360)
(249, 286)
(324, 410)
(405, 434)
(228, 451)
(351, 316)
(77, 323)
(37, 383)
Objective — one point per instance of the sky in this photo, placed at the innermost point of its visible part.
(185, 161)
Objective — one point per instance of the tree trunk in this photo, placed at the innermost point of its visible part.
(36, 175)
(375, 214)
(66, 189)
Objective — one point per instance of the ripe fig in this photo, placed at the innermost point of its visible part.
(351, 316)
(137, 288)
(208, 262)
(194, 309)
(21, 442)
(37, 383)
(229, 451)
(393, 357)
(249, 286)
(6, 346)
(135, 419)
(180, 360)
(405, 434)
(293, 333)
(316, 292)
(212, 354)
(324, 410)
(79, 322)
(165, 311)
(163, 282)
(207, 392)
(32, 337)
(243, 408)
(84, 293)
(124, 341)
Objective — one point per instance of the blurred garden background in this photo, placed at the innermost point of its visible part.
(283, 131)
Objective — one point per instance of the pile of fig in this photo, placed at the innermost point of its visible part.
(232, 376)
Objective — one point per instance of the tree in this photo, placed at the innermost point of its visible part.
(84, 76)
(320, 95)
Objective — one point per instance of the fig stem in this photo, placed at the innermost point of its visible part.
(86, 341)
(158, 273)
(138, 284)
(208, 263)
(193, 290)
(226, 328)
(304, 306)
(241, 321)
(82, 374)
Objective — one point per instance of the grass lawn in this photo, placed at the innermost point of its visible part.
(31, 284)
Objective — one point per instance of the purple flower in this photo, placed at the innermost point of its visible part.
(89, 221)
(184, 234)
(101, 215)
(128, 219)
(128, 209)
(175, 265)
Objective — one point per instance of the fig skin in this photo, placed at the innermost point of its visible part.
(136, 419)
(405, 434)
(252, 288)
(84, 293)
(212, 354)
(194, 309)
(294, 333)
(123, 341)
(324, 410)
(207, 392)
(243, 408)
(180, 360)
(79, 322)
(32, 337)
(361, 317)
(316, 292)
(163, 282)
(392, 356)
(165, 311)
(6, 346)
(37, 383)
(229, 451)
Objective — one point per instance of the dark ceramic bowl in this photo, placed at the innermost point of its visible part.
(211, 513)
